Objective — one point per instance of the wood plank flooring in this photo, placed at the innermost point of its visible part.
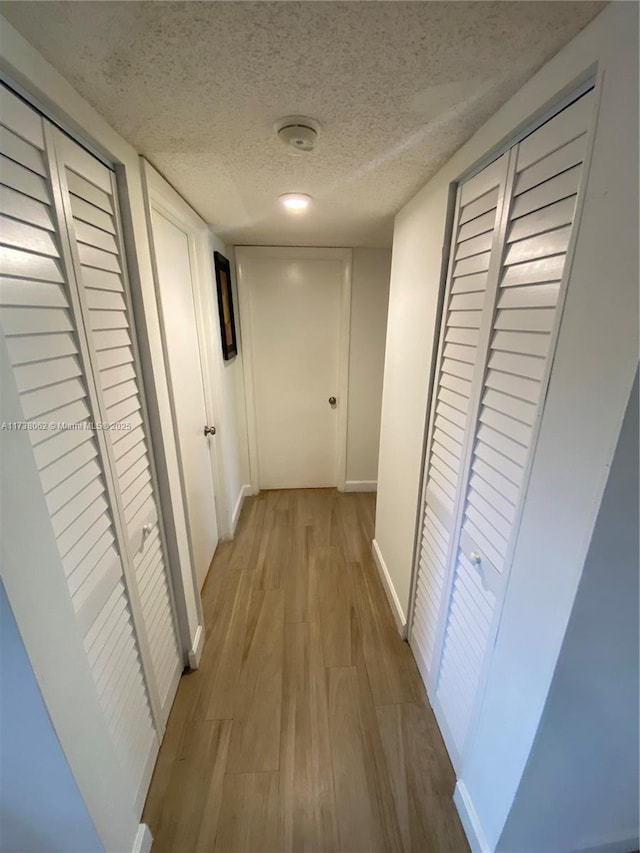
(306, 728)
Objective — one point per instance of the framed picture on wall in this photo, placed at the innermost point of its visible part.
(225, 307)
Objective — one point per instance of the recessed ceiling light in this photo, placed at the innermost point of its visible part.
(296, 201)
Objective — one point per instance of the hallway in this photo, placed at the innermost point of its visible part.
(307, 727)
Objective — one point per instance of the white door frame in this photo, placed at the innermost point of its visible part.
(168, 203)
(289, 253)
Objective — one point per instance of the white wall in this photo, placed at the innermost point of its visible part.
(235, 448)
(590, 384)
(369, 305)
(587, 743)
(40, 805)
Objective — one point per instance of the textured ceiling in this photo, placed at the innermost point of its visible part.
(397, 87)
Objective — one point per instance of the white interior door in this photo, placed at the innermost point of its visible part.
(295, 304)
(175, 280)
(512, 237)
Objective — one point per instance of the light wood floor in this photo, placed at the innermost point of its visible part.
(306, 728)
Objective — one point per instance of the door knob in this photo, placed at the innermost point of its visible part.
(332, 401)
(476, 558)
(209, 430)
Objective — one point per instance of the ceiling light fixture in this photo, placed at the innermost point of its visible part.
(296, 201)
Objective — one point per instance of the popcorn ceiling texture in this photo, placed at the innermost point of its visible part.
(397, 86)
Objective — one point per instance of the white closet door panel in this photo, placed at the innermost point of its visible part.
(466, 303)
(99, 267)
(44, 347)
(468, 625)
(512, 389)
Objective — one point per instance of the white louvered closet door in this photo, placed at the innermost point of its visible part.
(90, 204)
(49, 361)
(515, 361)
(470, 296)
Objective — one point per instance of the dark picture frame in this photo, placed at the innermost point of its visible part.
(225, 306)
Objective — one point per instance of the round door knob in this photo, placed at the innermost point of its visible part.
(476, 558)
(209, 430)
(332, 401)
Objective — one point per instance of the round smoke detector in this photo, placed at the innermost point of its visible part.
(298, 133)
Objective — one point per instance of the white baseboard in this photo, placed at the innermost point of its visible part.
(144, 840)
(195, 652)
(361, 486)
(245, 491)
(470, 822)
(394, 602)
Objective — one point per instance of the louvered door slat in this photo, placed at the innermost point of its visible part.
(99, 267)
(537, 236)
(19, 206)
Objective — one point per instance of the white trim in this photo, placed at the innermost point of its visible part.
(143, 840)
(470, 822)
(244, 321)
(387, 583)
(245, 491)
(195, 653)
(361, 486)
